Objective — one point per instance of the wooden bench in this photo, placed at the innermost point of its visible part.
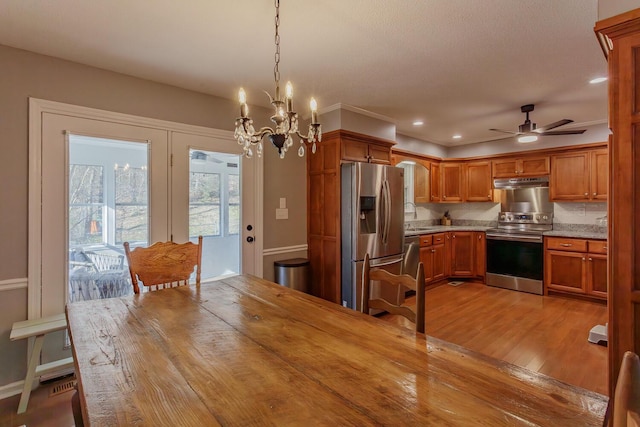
(38, 328)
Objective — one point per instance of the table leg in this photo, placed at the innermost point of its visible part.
(31, 371)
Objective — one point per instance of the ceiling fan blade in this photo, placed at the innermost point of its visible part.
(565, 132)
(506, 131)
(553, 125)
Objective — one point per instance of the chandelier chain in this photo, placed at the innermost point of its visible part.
(276, 69)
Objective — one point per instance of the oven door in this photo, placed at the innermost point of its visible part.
(515, 262)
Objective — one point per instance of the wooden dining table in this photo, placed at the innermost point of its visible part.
(243, 351)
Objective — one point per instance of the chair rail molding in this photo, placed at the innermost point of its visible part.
(284, 250)
(11, 284)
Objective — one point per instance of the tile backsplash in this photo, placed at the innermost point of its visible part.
(566, 213)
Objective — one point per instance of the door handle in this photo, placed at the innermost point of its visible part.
(250, 239)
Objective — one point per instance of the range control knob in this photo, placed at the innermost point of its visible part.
(545, 217)
(502, 217)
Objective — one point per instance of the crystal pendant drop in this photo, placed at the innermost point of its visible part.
(259, 149)
(313, 148)
(249, 153)
(301, 151)
(282, 154)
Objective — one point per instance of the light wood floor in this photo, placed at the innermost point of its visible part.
(546, 334)
(543, 334)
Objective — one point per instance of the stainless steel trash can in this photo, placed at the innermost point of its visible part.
(293, 273)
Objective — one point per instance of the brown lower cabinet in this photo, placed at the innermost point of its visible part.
(576, 267)
(453, 254)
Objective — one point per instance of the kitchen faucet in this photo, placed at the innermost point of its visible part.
(415, 209)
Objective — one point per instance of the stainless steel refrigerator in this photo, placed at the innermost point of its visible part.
(372, 220)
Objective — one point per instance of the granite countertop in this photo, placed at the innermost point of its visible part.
(432, 229)
(587, 233)
(579, 234)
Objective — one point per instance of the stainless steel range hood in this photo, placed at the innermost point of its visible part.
(512, 183)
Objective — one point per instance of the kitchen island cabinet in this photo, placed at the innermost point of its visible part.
(576, 267)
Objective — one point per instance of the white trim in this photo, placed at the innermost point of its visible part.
(37, 107)
(347, 107)
(11, 389)
(11, 284)
(285, 250)
(258, 245)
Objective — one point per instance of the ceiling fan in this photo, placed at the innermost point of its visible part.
(528, 132)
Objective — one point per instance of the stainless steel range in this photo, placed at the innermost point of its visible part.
(515, 256)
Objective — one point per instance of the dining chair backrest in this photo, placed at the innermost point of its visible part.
(370, 275)
(626, 403)
(164, 264)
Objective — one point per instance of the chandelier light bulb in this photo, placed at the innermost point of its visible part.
(285, 119)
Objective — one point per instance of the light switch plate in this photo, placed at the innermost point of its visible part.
(283, 202)
(282, 213)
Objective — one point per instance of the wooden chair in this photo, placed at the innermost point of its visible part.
(164, 264)
(415, 283)
(626, 403)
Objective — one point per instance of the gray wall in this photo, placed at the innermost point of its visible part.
(609, 8)
(24, 75)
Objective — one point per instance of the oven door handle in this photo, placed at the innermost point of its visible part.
(514, 237)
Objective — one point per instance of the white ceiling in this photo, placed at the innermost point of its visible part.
(462, 66)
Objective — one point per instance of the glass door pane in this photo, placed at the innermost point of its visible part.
(108, 204)
(214, 210)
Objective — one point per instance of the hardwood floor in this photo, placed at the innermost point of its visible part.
(543, 334)
(43, 410)
(546, 334)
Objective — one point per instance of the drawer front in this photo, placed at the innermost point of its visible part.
(438, 238)
(566, 244)
(426, 240)
(598, 246)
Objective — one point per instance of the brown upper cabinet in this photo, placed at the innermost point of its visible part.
(420, 181)
(452, 182)
(436, 183)
(368, 152)
(521, 166)
(579, 176)
(478, 181)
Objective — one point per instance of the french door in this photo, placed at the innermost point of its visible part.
(101, 178)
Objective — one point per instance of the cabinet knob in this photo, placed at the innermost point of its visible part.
(590, 259)
(433, 250)
(586, 194)
(584, 259)
(479, 236)
(489, 196)
(566, 245)
(595, 194)
(454, 236)
(444, 197)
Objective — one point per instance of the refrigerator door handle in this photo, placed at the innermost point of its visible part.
(387, 211)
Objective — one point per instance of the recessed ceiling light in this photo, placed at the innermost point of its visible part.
(418, 123)
(598, 80)
(528, 138)
(456, 136)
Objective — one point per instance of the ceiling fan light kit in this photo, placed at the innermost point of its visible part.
(529, 132)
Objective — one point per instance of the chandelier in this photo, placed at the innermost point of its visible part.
(284, 119)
